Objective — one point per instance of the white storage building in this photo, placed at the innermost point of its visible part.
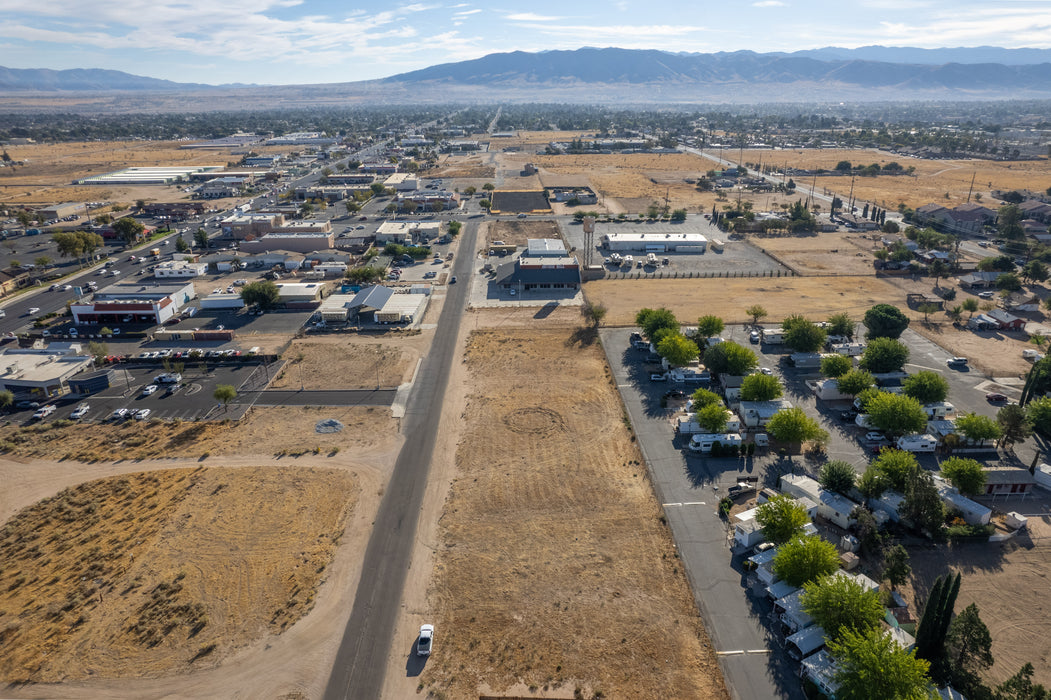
(655, 242)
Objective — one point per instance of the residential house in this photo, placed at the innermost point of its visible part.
(979, 280)
(972, 512)
(1008, 481)
(1006, 321)
(756, 414)
(1035, 209)
(1021, 302)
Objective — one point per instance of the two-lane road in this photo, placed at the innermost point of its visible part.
(361, 661)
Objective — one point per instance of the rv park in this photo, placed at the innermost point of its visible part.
(422, 371)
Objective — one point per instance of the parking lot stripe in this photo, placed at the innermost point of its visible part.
(668, 505)
(694, 503)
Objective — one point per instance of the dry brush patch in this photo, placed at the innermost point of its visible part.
(332, 363)
(160, 572)
(554, 569)
(817, 297)
(519, 232)
(264, 431)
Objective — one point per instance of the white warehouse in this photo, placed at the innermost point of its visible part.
(655, 242)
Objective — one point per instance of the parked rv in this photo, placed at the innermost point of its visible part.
(703, 442)
(917, 443)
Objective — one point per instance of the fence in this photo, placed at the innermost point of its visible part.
(667, 275)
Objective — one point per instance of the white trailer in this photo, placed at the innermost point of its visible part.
(772, 336)
(805, 642)
(917, 443)
(703, 442)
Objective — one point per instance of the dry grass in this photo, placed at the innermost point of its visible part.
(151, 573)
(462, 166)
(553, 566)
(817, 297)
(280, 431)
(933, 179)
(825, 253)
(331, 363)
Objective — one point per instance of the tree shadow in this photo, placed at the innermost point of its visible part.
(584, 336)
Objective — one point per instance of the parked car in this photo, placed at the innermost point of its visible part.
(425, 641)
(995, 398)
(44, 411)
(873, 436)
(675, 394)
(956, 361)
(753, 337)
(80, 411)
(150, 389)
(142, 414)
(848, 416)
(985, 295)
(658, 377)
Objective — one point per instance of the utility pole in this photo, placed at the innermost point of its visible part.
(971, 188)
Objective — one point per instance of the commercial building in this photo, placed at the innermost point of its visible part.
(256, 224)
(379, 168)
(134, 302)
(655, 242)
(174, 210)
(299, 292)
(407, 232)
(428, 200)
(295, 241)
(61, 211)
(377, 304)
(302, 138)
(544, 265)
(180, 269)
(226, 186)
(263, 161)
(402, 182)
(41, 371)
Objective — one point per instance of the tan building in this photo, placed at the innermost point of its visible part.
(299, 242)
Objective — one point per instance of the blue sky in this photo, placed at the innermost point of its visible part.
(322, 41)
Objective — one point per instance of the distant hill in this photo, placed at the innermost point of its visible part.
(746, 70)
(83, 80)
(908, 54)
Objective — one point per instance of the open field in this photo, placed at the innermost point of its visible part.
(163, 572)
(330, 362)
(52, 167)
(552, 565)
(1001, 580)
(461, 166)
(824, 253)
(817, 297)
(264, 431)
(933, 179)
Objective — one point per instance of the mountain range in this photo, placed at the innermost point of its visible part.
(639, 75)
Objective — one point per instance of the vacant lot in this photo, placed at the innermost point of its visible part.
(932, 180)
(460, 166)
(153, 573)
(519, 232)
(817, 297)
(1001, 580)
(826, 253)
(330, 362)
(264, 431)
(552, 565)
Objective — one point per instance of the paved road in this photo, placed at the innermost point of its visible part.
(361, 661)
(754, 665)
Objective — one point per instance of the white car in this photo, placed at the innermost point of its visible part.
(143, 414)
(120, 414)
(80, 412)
(873, 436)
(33, 311)
(425, 641)
(150, 389)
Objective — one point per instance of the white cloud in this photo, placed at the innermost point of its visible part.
(466, 13)
(531, 17)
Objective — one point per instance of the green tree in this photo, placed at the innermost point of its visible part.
(802, 335)
(970, 305)
(896, 467)
(703, 397)
(43, 261)
(1014, 424)
(128, 229)
(837, 475)
(593, 313)
(760, 387)
(926, 386)
(1008, 281)
(836, 366)
(872, 665)
(923, 505)
(885, 321)
(264, 294)
(181, 245)
(6, 398)
(896, 567)
(708, 327)
(841, 324)
(967, 475)
(1037, 381)
(98, 349)
(677, 349)
(856, 381)
(730, 358)
(803, 559)
(968, 644)
(839, 603)
(225, 393)
(651, 320)
(782, 518)
(712, 418)
(756, 312)
(200, 237)
(364, 275)
(896, 414)
(488, 187)
(1009, 223)
(933, 625)
(884, 355)
(873, 481)
(927, 309)
(1021, 687)
(977, 427)
(793, 426)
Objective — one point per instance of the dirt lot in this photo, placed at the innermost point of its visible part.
(470, 166)
(52, 167)
(817, 297)
(264, 431)
(933, 179)
(825, 253)
(1001, 580)
(162, 572)
(324, 361)
(550, 531)
(519, 232)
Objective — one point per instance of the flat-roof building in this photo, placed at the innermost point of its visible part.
(134, 302)
(655, 242)
(43, 371)
(147, 175)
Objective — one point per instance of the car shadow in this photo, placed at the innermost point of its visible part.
(414, 664)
